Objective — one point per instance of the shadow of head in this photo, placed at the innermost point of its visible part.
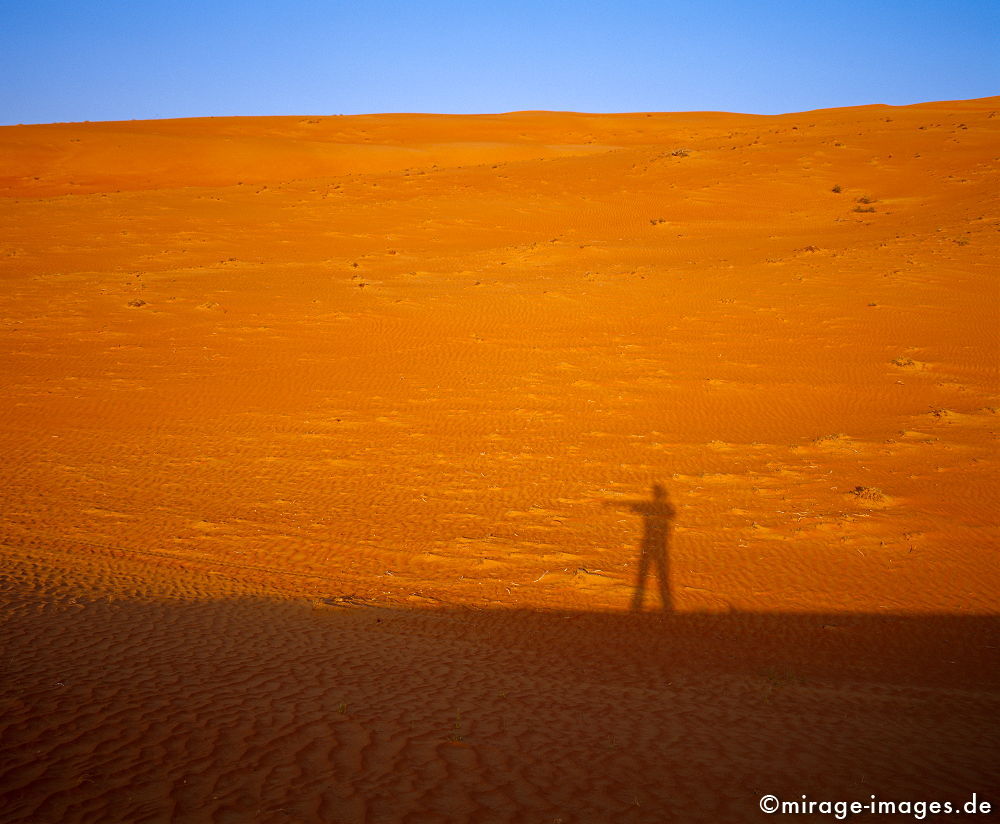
(659, 507)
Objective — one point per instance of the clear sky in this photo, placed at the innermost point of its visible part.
(71, 60)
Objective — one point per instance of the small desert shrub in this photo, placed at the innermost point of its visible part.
(137, 302)
(869, 494)
(865, 199)
(903, 362)
(455, 736)
(836, 189)
(864, 208)
(679, 153)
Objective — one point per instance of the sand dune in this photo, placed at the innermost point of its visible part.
(329, 447)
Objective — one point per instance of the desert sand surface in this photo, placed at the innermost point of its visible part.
(536, 467)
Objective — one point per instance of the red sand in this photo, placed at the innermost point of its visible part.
(329, 446)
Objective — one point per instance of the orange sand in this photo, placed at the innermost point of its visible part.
(329, 446)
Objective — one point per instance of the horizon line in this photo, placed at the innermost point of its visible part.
(509, 113)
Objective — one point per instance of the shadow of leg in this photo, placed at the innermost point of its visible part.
(640, 585)
(663, 579)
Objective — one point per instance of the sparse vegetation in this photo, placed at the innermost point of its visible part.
(776, 679)
(455, 736)
(679, 153)
(869, 494)
(836, 189)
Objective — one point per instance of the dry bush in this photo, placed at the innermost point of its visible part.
(869, 494)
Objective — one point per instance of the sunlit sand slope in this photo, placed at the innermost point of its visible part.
(288, 402)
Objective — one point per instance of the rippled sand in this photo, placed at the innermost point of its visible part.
(532, 467)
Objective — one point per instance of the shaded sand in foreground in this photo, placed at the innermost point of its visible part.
(332, 448)
(133, 704)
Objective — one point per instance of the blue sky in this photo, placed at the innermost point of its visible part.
(72, 60)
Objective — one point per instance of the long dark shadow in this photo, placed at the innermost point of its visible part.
(653, 703)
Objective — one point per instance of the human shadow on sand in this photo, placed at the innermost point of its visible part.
(654, 549)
